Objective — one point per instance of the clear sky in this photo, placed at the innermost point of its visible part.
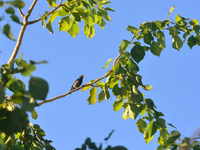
(175, 76)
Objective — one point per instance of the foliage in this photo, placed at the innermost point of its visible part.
(123, 80)
(92, 146)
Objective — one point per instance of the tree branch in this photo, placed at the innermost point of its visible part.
(21, 13)
(71, 91)
(21, 34)
(114, 63)
(34, 21)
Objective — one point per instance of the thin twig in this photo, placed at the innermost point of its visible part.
(114, 63)
(69, 92)
(21, 13)
(55, 8)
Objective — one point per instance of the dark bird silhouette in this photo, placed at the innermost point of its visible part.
(78, 82)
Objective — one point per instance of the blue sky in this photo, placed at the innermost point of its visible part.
(175, 76)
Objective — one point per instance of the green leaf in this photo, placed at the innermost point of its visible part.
(16, 3)
(76, 16)
(101, 96)
(133, 110)
(141, 124)
(116, 90)
(1, 3)
(197, 39)
(177, 43)
(113, 82)
(34, 114)
(147, 137)
(65, 23)
(132, 29)
(109, 60)
(136, 96)
(178, 18)
(117, 105)
(24, 68)
(52, 3)
(92, 98)
(89, 20)
(158, 25)
(163, 136)
(13, 121)
(15, 19)
(160, 122)
(74, 30)
(118, 69)
(124, 45)
(38, 88)
(49, 26)
(171, 9)
(2, 94)
(107, 93)
(171, 125)
(10, 10)
(125, 114)
(161, 39)
(85, 88)
(132, 65)
(191, 41)
(105, 14)
(43, 21)
(109, 9)
(137, 53)
(7, 31)
(148, 38)
(196, 29)
(16, 85)
(28, 102)
(147, 87)
(151, 128)
(92, 32)
(194, 22)
(101, 21)
(155, 49)
(150, 103)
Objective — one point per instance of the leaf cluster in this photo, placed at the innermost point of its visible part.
(15, 130)
(10, 13)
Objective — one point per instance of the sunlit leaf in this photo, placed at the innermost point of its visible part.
(132, 29)
(109, 60)
(117, 105)
(34, 114)
(171, 9)
(124, 45)
(92, 98)
(151, 128)
(101, 96)
(155, 49)
(86, 87)
(133, 111)
(141, 124)
(74, 30)
(65, 23)
(52, 3)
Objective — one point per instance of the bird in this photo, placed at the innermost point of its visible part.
(78, 82)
